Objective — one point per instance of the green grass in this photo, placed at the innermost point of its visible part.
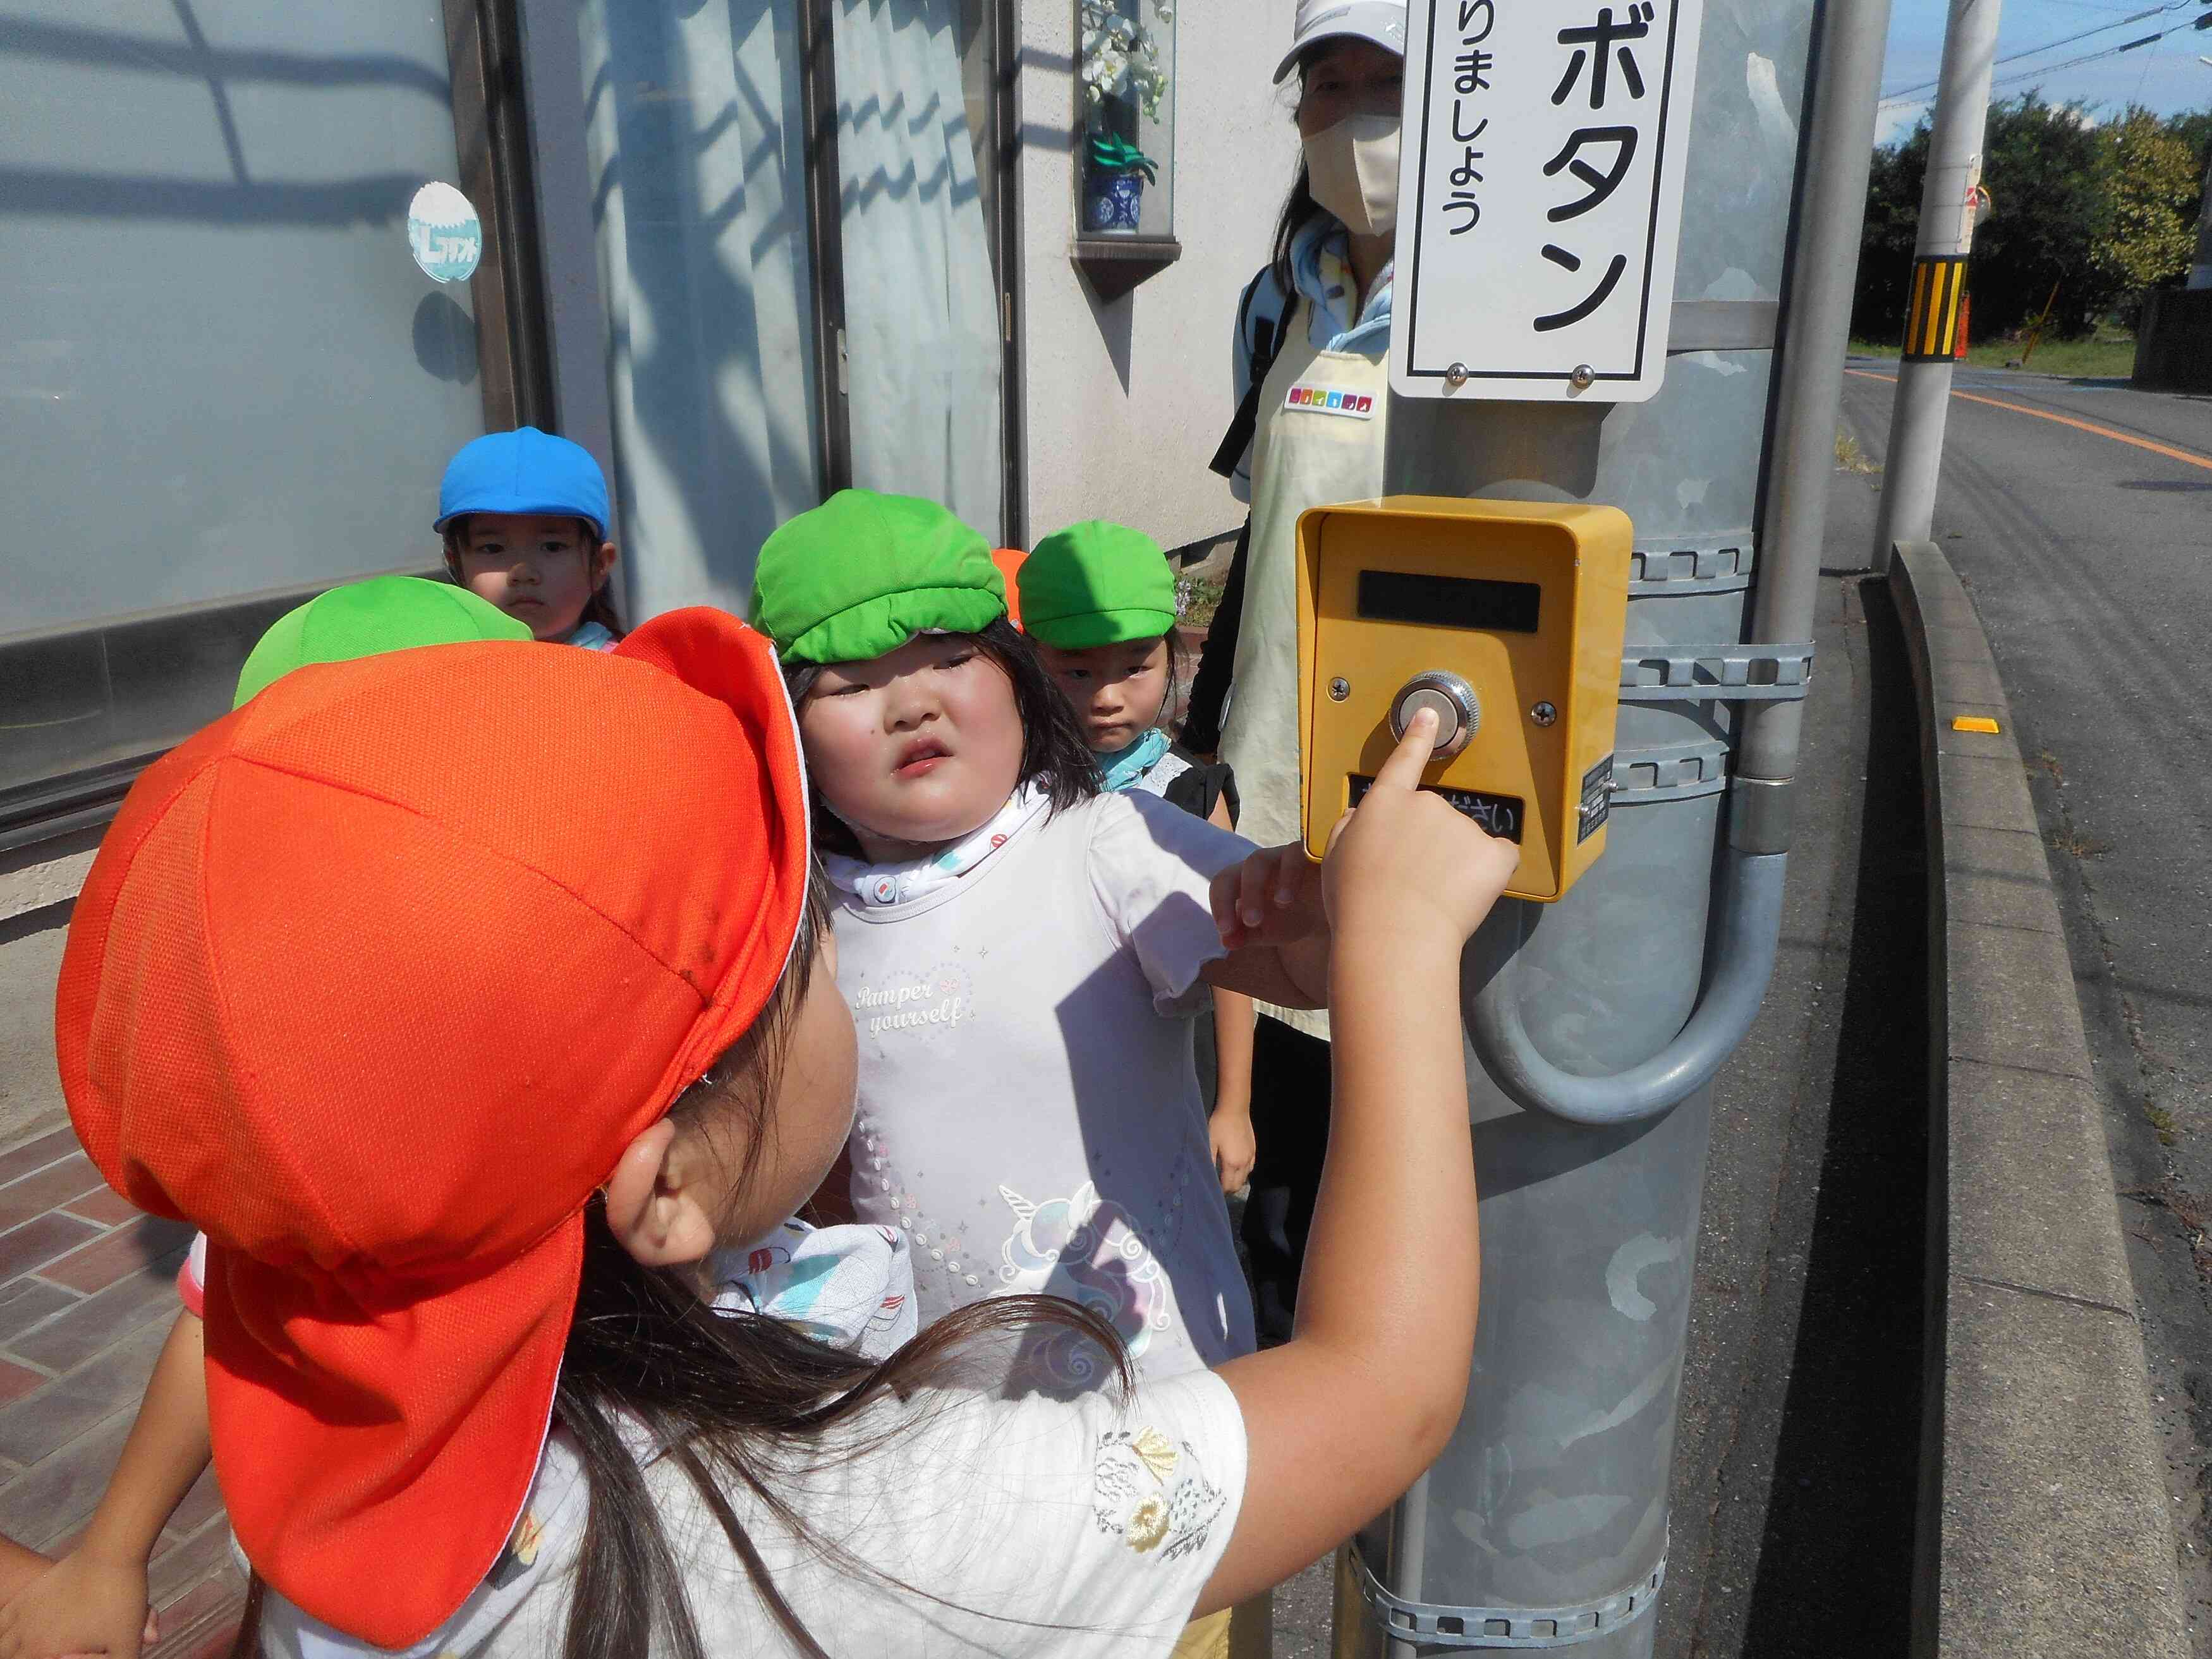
(2108, 353)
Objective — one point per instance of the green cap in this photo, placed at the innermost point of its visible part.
(1097, 583)
(385, 613)
(863, 574)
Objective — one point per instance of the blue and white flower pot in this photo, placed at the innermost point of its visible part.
(1111, 200)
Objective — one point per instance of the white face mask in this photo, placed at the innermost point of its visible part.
(1353, 170)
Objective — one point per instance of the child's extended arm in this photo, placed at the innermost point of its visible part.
(94, 1599)
(1337, 1424)
(1230, 1127)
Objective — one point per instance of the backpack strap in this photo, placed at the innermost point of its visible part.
(1266, 341)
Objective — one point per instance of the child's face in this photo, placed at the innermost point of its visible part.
(917, 748)
(1116, 690)
(540, 569)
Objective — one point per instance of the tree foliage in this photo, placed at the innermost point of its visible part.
(2151, 176)
(2098, 211)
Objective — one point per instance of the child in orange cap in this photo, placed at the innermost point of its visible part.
(463, 1083)
(849, 1285)
(95, 1603)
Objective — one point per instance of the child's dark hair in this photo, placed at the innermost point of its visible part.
(600, 608)
(1166, 718)
(1055, 754)
(737, 1399)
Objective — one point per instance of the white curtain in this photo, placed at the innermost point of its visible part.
(921, 312)
(698, 176)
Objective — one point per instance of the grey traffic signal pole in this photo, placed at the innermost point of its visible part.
(2200, 270)
(1915, 456)
(1595, 1025)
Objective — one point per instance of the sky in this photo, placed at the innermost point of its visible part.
(2165, 76)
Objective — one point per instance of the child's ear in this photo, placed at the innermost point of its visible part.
(660, 1203)
(603, 562)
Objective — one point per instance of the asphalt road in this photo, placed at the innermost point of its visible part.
(1795, 1453)
(2089, 554)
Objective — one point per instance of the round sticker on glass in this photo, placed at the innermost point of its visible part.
(443, 230)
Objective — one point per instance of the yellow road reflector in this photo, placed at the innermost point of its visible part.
(1973, 723)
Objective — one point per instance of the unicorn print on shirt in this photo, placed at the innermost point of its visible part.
(1089, 1252)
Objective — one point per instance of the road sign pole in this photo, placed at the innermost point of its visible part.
(2200, 273)
(1595, 1023)
(1915, 458)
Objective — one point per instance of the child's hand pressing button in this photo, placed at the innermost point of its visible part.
(1404, 860)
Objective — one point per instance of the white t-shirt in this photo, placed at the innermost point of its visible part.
(1071, 1529)
(1030, 1114)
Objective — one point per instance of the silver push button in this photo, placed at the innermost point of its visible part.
(1458, 715)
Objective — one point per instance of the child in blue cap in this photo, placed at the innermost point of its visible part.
(524, 518)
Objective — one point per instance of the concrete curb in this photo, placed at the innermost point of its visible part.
(2043, 1524)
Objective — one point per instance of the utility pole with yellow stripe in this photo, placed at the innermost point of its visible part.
(1938, 289)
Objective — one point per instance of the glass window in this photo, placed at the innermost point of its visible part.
(925, 354)
(698, 163)
(1126, 92)
(697, 159)
(222, 373)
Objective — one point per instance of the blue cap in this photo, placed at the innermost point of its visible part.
(524, 470)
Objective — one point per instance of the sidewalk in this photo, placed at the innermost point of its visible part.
(87, 1297)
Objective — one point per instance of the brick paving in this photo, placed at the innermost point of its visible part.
(87, 1297)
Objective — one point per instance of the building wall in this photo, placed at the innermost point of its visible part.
(1125, 401)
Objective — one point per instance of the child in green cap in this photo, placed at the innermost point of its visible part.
(1021, 951)
(1099, 600)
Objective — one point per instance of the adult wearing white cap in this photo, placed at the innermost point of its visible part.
(1312, 341)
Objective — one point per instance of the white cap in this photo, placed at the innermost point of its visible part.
(1382, 21)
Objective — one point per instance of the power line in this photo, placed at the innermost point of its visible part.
(2048, 46)
(2042, 69)
(2088, 58)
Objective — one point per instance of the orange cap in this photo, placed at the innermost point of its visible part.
(373, 981)
(1009, 560)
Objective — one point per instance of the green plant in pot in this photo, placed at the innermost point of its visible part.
(1113, 185)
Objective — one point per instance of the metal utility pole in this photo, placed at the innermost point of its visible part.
(1938, 278)
(2200, 269)
(1596, 1024)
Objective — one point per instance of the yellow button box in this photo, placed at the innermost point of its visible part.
(1505, 617)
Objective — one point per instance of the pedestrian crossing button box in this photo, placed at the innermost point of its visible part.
(1506, 618)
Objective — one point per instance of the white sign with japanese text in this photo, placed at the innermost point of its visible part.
(1540, 197)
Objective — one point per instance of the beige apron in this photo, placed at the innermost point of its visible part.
(1303, 454)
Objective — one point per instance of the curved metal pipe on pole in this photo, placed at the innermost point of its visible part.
(1748, 906)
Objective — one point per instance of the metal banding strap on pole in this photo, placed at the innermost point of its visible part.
(1422, 1624)
(1688, 566)
(1723, 325)
(1670, 771)
(1931, 322)
(1715, 673)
